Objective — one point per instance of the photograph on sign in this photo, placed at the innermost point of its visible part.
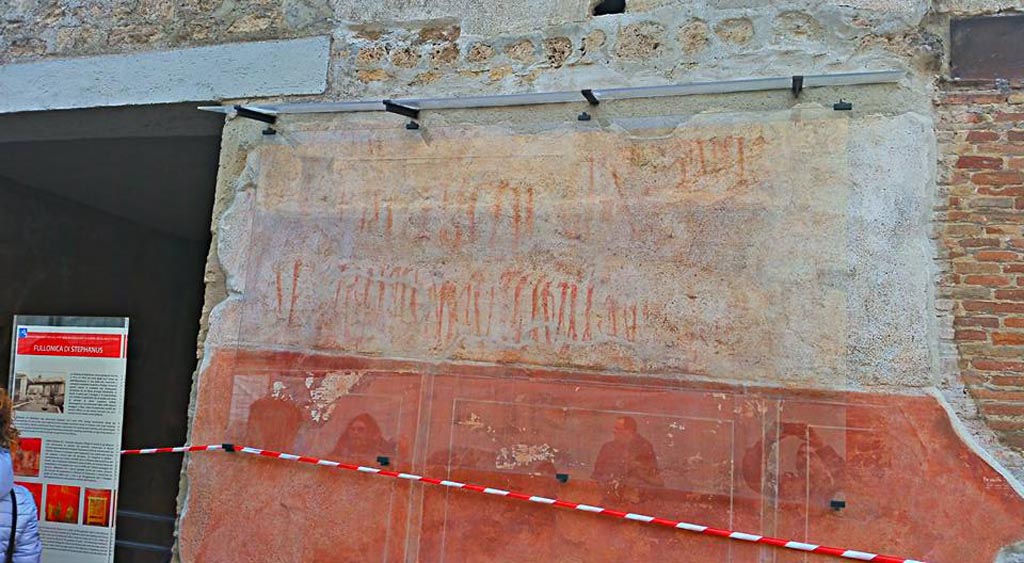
(67, 383)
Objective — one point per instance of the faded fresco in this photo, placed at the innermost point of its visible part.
(721, 250)
(760, 460)
(502, 308)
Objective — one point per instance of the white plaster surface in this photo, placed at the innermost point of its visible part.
(239, 70)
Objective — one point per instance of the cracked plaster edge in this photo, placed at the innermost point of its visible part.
(969, 435)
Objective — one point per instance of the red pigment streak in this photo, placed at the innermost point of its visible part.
(517, 212)
(277, 274)
(610, 303)
(561, 307)
(533, 312)
(586, 313)
(572, 313)
(476, 310)
(529, 208)
(740, 142)
(366, 288)
(545, 297)
(295, 291)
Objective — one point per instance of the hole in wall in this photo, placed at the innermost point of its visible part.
(605, 7)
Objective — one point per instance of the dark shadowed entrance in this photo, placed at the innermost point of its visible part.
(106, 212)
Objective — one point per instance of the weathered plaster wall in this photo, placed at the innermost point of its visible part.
(736, 246)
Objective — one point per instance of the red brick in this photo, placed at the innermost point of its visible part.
(996, 231)
(1008, 308)
(1013, 440)
(963, 230)
(1008, 338)
(976, 268)
(1003, 148)
(992, 281)
(970, 335)
(1015, 163)
(997, 365)
(1014, 322)
(1009, 116)
(969, 117)
(1015, 136)
(1010, 294)
(1013, 268)
(997, 394)
(998, 178)
(1003, 191)
(991, 162)
(973, 379)
(979, 242)
(990, 322)
(1005, 425)
(1002, 409)
(997, 256)
(1007, 380)
(982, 136)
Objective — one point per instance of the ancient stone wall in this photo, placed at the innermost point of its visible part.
(392, 48)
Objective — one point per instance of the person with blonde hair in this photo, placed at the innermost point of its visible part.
(19, 524)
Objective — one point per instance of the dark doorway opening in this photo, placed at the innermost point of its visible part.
(106, 212)
(607, 7)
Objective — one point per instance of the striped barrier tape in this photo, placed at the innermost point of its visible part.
(679, 525)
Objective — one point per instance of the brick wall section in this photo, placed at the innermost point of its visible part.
(980, 222)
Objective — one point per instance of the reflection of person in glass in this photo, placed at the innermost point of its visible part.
(273, 424)
(815, 474)
(627, 465)
(362, 439)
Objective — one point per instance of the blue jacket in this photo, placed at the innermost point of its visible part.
(27, 548)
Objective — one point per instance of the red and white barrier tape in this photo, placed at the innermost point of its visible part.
(707, 530)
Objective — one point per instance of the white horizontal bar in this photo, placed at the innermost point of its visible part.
(507, 100)
(228, 71)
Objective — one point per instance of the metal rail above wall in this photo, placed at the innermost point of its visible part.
(410, 107)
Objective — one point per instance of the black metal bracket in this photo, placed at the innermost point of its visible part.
(591, 98)
(562, 477)
(583, 116)
(837, 505)
(383, 460)
(797, 86)
(229, 447)
(247, 113)
(410, 112)
(842, 105)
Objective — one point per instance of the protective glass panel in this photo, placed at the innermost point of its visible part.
(539, 310)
